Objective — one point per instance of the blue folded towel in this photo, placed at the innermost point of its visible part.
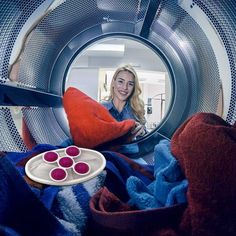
(169, 186)
(140, 194)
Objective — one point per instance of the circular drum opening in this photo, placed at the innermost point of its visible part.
(91, 71)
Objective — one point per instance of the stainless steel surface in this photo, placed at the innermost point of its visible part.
(195, 38)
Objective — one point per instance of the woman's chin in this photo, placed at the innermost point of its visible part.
(123, 98)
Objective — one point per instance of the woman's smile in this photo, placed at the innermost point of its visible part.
(123, 92)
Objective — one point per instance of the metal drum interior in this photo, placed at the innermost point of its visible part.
(39, 40)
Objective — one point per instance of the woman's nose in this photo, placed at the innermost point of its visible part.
(125, 86)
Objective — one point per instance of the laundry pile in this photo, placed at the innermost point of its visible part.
(190, 190)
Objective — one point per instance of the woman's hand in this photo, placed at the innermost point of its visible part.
(139, 130)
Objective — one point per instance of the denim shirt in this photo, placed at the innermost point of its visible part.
(125, 114)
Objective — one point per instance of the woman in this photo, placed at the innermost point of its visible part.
(124, 101)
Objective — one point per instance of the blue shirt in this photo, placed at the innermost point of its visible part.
(125, 114)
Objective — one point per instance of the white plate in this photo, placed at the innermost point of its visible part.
(38, 170)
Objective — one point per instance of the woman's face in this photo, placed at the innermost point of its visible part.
(123, 85)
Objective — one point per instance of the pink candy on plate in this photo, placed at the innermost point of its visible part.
(58, 174)
(81, 168)
(73, 151)
(50, 156)
(65, 162)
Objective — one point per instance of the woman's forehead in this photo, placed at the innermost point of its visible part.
(126, 75)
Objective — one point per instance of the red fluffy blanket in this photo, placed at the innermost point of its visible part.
(91, 124)
(205, 146)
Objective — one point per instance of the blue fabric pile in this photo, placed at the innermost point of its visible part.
(28, 209)
(169, 186)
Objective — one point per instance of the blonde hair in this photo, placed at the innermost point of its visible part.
(135, 101)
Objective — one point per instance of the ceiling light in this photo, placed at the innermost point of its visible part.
(107, 47)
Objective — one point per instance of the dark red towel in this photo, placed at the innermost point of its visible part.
(110, 216)
(205, 146)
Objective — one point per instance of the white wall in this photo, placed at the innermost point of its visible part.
(85, 80)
